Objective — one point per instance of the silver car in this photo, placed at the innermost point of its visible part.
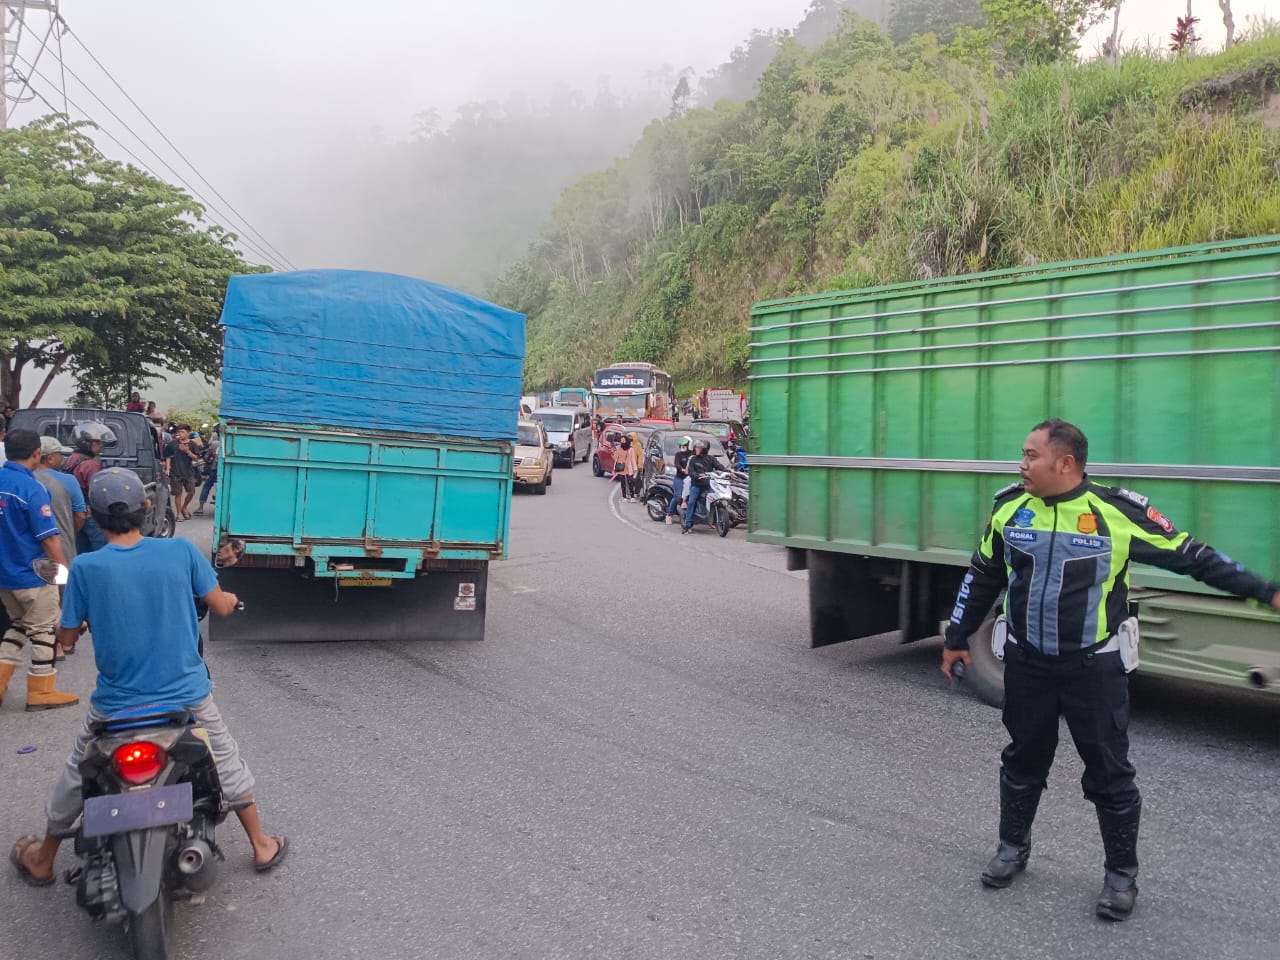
(569, 430)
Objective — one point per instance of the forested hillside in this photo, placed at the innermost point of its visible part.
(864, 161)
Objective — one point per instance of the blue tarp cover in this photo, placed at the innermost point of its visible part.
(349, 348)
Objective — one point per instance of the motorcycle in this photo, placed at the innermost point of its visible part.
(722, 506)
(152, 801)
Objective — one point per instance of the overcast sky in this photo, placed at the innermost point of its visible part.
(254, 90)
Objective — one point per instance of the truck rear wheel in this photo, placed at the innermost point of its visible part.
(985, 676)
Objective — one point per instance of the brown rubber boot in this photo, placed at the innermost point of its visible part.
(41, 694)
(6, 674)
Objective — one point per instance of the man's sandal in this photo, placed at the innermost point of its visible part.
(15, 857)
(282, 844)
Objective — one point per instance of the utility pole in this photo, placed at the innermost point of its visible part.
(13, 14)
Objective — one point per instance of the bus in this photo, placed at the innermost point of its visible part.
(637, 390)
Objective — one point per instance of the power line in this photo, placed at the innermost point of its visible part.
(246, 242)
(76, 37)
(39, 53)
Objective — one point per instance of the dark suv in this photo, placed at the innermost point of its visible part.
(134, 448)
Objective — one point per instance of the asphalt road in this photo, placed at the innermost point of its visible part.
(644, 760)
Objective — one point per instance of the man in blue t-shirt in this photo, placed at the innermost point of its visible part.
(28, 532)
(137, 596)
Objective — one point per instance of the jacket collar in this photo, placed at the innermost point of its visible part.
(1070, 494)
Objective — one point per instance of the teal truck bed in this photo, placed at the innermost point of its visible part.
(366, 460)
(885, 419)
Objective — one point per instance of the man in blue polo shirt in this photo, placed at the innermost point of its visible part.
(28, 531)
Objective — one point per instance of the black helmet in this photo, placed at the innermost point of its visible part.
(84, 434)
(701, 444)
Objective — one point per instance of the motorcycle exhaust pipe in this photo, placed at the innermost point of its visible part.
(196, 863)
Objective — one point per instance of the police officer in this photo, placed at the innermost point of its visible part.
(1062, 545)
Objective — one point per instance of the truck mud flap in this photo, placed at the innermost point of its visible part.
(281, 605)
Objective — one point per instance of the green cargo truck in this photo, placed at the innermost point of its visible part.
(887, 418)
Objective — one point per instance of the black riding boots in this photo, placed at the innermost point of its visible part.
(1017, 812)
(1120, 841)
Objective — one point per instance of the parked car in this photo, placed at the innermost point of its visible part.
(569, 429)
(532, 461)
(611, 436)
(134, 448)
(726, 430)
(660, 452)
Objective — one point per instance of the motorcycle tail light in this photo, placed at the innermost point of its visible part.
(139, 762)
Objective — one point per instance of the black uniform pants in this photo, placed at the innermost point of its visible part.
(1092, 691)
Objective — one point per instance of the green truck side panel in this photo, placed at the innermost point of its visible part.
(334, 493)
(1170, 362)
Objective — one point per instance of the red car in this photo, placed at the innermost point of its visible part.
(611, 436)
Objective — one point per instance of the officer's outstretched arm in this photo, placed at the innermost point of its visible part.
(1155, 541)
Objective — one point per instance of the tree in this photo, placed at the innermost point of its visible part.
(1229, 22)
(910, 18)
(1029, 32)
(105, 271)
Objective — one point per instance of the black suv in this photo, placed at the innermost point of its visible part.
(134, 448)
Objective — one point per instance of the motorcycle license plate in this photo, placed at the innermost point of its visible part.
(365, 582)
(138, 810)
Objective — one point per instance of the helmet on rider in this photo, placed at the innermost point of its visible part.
(87, 433)
(702, 446)
(685, 441)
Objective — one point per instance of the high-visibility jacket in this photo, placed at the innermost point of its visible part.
(1065, 563)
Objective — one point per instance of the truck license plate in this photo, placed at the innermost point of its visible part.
(364, 582)
(137, 810)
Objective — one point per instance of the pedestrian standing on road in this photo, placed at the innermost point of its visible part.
(180, 463)
(1062, 546)
(680, 485)
(71, 512)
(210, 469)
(627, 457)
(66, 499)
(28, 532)
(86, 461)
(137, 596)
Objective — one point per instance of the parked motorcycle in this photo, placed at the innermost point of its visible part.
(718, 507)
(152, 800)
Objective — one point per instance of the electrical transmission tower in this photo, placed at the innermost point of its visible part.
(13, 23)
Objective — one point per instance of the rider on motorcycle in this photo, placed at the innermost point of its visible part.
(680, 485)
(136, 597)
(701, 464)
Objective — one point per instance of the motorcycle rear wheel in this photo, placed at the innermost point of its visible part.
(149, 930)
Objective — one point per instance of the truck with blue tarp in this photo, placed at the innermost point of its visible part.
(368, 423)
